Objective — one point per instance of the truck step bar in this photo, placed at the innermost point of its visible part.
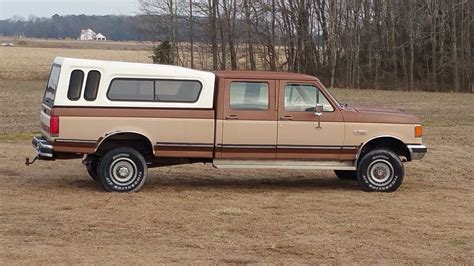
(283, 164)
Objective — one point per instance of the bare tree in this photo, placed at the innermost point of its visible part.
(359, 43)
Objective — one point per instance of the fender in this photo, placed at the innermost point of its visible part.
(371, 139)
(108, 135)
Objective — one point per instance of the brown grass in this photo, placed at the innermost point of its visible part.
(26, 63)
(52, 212)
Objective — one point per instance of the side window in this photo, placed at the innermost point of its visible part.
(75, 85)
(131, 90)
(249, 96)
(92, 85)
(186, 91)
(303, 98)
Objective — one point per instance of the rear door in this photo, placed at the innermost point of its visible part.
(300, 135)
(249, 127)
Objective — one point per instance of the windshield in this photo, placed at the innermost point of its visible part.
(50, 91)
(331, 95)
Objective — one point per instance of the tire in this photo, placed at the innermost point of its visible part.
(92, 164)
(122, 170)
(346, 174)
(380, 170)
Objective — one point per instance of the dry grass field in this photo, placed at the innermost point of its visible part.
(52, 212)
(34, 63)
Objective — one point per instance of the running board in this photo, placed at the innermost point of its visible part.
(283, 164)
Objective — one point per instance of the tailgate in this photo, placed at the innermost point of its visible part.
(45, 116)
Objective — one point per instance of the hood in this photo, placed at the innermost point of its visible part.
(378, 115)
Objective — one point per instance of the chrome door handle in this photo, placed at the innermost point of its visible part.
(232, 117)
(286, 117)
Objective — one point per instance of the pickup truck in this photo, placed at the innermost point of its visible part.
(123, 118)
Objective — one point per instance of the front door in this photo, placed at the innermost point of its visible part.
(249, 126)
(300, 134)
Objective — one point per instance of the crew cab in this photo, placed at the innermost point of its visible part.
(123, 118)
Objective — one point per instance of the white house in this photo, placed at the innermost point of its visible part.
(100, 37)
(90, 35)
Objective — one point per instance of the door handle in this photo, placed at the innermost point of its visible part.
(232, 117)
(286, 117)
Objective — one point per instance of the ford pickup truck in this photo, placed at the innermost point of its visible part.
(123, 118)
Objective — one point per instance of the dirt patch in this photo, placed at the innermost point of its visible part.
(52, 212)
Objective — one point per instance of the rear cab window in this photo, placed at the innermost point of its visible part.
(50, 92)
(252, 96)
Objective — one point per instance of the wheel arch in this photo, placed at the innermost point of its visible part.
(138, 140)
(389, 142)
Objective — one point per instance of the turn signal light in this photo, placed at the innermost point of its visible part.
(418, 131)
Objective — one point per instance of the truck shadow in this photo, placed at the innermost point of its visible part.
(317, 183)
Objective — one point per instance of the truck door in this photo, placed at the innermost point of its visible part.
(300, 133)
(249, 125)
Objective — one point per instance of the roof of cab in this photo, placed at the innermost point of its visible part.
(262, 75)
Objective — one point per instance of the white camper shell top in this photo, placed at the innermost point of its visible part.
(110, 70)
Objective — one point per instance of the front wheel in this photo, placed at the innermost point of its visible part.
(380, 170)
(122, 170)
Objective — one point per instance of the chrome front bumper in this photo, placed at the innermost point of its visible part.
(44, 149)
(417, 152)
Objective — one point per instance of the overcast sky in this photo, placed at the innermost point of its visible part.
(47, 8)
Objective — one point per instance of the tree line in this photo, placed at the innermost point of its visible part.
(118, 28)
(407, 44)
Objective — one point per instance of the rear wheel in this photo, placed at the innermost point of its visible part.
(346, 174)
(380, 170)
(92, 163)
(122, 170)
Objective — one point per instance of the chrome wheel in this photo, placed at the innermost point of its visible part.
(380, 172)
(123, 171)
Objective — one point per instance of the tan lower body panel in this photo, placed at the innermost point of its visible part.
(159, 131)
(248, 139)
(360, 133)
(305, 140)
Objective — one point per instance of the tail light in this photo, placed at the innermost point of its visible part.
(54, 125)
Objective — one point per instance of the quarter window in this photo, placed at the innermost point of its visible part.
(303, 98)
(75, 85)
(131, 90)
(92, 85)
(50, 91)
(249, 96)
(177, 90)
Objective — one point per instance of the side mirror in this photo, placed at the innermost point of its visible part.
(319, 109)
(319, 113)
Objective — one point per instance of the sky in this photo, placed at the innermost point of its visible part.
(47, 8)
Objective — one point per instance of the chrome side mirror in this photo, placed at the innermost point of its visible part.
(319, 113)
(319, 109)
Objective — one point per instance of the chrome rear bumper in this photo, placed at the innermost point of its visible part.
(417, 152)
(44, 149)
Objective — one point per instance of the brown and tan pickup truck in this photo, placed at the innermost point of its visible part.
(124, 118)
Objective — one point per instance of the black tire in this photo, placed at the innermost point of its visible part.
(346, 174)
(122, 170)
(92, 164)
(380, 170)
